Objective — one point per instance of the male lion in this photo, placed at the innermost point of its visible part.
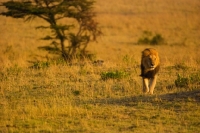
(150, 65)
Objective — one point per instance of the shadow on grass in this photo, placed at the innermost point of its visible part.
(188, 96)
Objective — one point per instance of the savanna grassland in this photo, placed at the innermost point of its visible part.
(53, 96)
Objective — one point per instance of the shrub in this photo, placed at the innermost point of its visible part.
(181, 81)
(157, 39)
(149, 38)
(193, 79)
(14, 70)
(114, 75)
(40, 65)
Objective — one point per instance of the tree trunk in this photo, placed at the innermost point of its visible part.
(64, 54)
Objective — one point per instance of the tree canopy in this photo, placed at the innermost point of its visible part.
(52, 11)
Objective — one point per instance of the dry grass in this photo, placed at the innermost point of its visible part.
(62, 97)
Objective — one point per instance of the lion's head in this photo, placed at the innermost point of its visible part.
(150, 60)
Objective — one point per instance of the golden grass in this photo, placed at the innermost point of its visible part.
(62, 97)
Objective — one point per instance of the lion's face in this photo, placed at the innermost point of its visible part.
(150, 59)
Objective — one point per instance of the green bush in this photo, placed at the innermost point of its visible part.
(183, 82)
(14, 70)
(114, 75)
(40, 65)
(149, 38)
(157, 39)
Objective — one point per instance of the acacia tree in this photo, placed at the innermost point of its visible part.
(78, 34)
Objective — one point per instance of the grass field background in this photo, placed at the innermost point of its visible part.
(54, 96)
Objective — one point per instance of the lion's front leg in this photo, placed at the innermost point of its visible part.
(145, 85)
(153, 84)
